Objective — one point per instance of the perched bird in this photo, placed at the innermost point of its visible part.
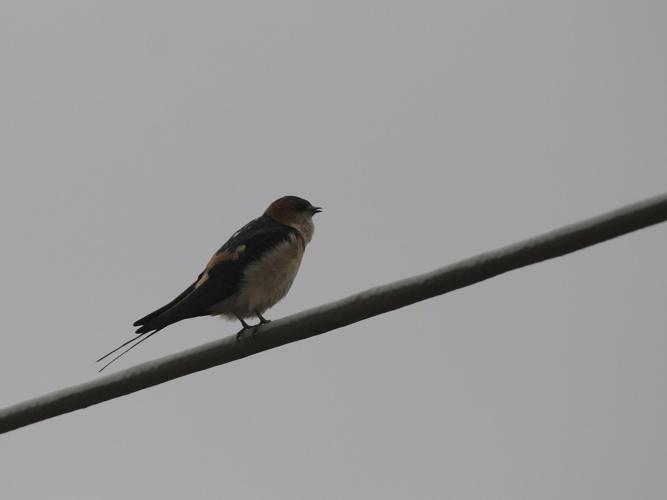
(250, 273)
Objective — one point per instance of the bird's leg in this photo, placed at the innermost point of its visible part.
(246, 326)
(262, 319)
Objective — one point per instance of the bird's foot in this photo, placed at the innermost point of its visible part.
(253, 329)
(245, 328)
(262, 319)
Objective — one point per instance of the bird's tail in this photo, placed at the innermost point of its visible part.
(133, 342)
(148, 326)
(152, 323)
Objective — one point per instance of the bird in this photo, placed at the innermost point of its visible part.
(249, 274)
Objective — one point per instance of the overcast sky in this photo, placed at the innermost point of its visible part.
(137, 136)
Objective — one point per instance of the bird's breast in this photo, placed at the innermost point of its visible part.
(266, 280)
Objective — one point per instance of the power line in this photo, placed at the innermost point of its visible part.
(343, 312)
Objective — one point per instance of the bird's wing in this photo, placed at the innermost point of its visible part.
(149, 317)
(222, 276)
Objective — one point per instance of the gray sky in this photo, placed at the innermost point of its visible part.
(137, 136)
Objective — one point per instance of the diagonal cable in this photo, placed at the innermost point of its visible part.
(340, 313)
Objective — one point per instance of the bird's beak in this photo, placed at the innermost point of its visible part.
(316, 210)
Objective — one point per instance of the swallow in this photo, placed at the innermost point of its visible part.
(249, 274)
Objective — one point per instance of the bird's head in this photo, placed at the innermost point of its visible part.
(293, 211)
